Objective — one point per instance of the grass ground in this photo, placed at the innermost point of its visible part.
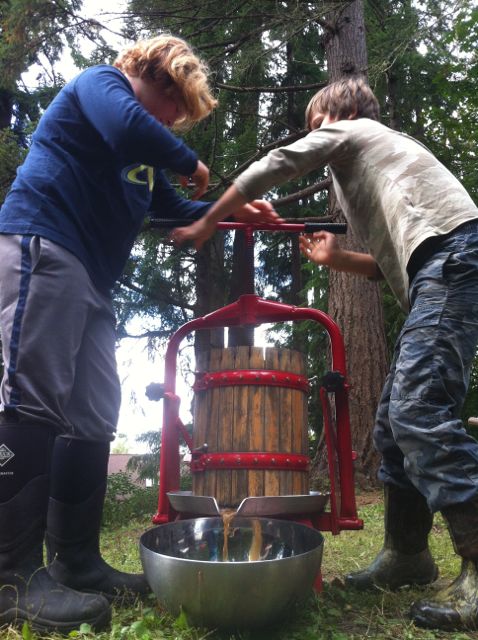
(335, 614)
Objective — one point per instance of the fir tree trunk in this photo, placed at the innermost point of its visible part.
(6, 108)
(243, 268)
(242, 282)
(298, 338)
(210, 279)
(354, 302)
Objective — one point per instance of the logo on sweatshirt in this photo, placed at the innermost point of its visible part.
(5, 455)
(139, 174)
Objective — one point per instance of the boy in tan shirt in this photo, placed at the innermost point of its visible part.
(420, 227)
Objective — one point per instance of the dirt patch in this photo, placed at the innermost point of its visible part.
(363, 498)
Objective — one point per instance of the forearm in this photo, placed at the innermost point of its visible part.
(227, 204)
(358, 263)
(231, 203)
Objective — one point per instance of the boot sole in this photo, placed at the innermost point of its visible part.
(368, 584)
(441, 625)
(17, 618)
(118, 599)
(371, 586)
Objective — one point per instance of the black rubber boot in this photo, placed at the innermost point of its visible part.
(73, 528)
(27, 592)
(455, 608)
(405, 558)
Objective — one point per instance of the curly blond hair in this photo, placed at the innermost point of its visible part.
(171, 63)
(349, 97)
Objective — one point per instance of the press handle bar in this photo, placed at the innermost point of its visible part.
(284, 227)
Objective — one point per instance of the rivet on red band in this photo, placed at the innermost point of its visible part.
(263, 377)
(249, 460)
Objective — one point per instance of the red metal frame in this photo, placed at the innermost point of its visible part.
(258, 461)
(262, 377)
(251, 310)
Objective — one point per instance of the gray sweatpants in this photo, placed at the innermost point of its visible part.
(58, 341)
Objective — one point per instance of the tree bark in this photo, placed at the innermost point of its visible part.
(242, 282)
(354, 302)
(210, 278)
(243, 268)
(298, 337)
(6, 108)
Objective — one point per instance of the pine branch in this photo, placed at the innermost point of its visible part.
(304, 193)
(164, 299)
(287, 89)
(148, 334)
(310, 219)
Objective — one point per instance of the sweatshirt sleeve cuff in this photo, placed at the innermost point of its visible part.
(245, 189)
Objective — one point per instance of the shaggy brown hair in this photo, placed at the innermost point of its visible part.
(347, 98)
(171, 63)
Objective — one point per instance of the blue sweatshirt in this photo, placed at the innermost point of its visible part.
(87, 181)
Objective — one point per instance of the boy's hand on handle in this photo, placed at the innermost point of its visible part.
(200, 178)
(257, 211)
(321, 247)
(231, 202)
(197, 232)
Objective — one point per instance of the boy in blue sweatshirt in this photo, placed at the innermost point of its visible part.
(94, 169)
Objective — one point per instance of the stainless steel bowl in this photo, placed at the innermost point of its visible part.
(271, 565)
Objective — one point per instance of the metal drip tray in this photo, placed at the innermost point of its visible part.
(186, 502)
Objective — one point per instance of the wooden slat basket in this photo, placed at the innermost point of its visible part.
(250, 418)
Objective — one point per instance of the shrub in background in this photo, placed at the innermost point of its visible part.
(126, 500)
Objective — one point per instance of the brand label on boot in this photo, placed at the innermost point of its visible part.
(5, 455)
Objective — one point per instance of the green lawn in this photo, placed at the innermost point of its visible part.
(335, 614)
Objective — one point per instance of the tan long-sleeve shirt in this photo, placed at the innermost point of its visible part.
(393, 191)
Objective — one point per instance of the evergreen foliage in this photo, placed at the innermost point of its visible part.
(424, 67)
(35, 34)
(126, 500)
(146, 465)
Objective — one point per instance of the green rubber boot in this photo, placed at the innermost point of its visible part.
(455, 608)
(405, 558)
